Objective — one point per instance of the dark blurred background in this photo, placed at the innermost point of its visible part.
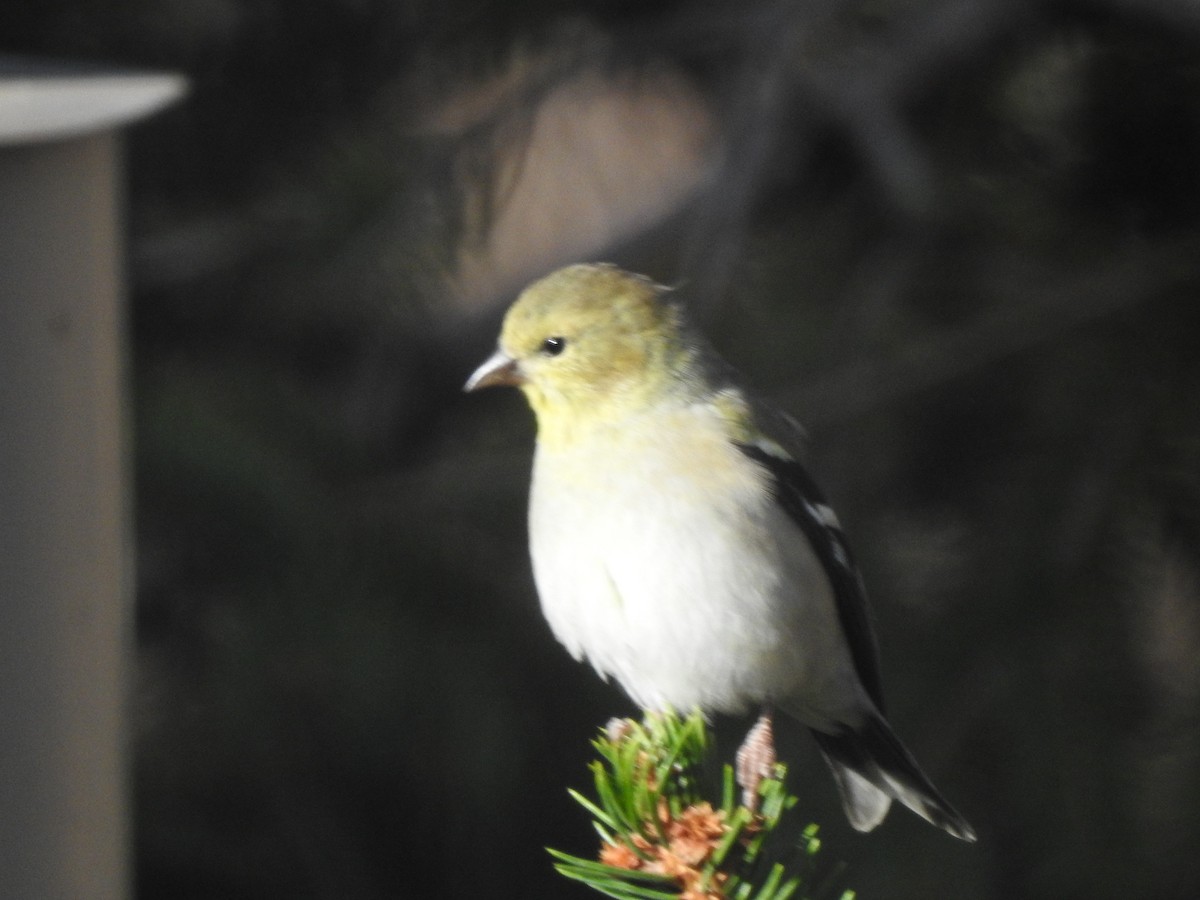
(959, 239)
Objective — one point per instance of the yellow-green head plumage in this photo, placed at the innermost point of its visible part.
(593, 341)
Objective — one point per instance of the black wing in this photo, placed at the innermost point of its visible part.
(807, 507)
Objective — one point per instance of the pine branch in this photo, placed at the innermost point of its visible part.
(661, 839)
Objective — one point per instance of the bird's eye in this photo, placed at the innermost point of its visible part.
(552, 346)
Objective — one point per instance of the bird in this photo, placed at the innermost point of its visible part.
(679, 545)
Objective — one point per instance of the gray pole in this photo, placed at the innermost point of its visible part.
(65, 554)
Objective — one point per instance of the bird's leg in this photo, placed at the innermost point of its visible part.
(617, 729)
(756, 759)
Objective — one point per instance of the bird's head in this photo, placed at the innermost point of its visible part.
(589, 341)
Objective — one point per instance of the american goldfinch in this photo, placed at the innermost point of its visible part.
(679, 546)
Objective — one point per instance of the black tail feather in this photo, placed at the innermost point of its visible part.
(872, 768)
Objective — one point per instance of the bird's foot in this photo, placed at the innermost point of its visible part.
(756, 760)
(617, 729)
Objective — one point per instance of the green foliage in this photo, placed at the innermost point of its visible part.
(662, 839)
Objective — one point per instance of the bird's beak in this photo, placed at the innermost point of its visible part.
(499, 369)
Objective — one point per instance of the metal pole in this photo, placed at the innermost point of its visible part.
(65, 604)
